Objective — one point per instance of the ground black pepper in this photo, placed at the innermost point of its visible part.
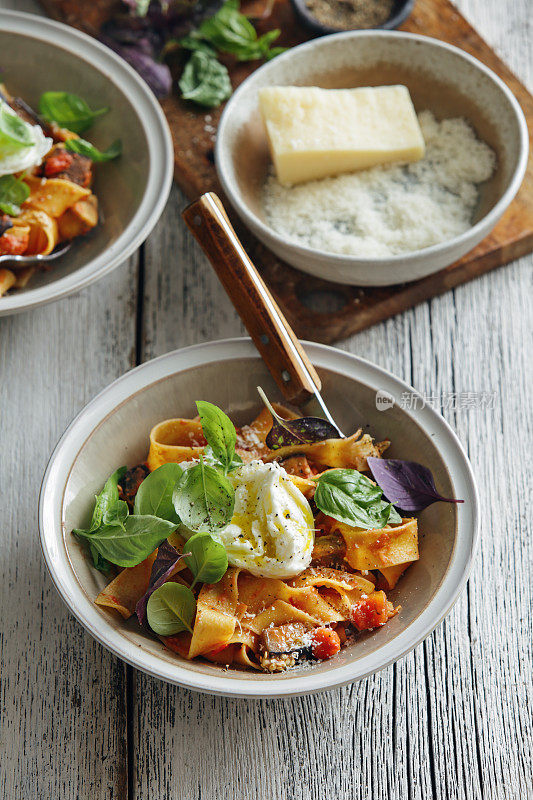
(349, 14)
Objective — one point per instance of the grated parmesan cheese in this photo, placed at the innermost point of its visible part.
(389, 210)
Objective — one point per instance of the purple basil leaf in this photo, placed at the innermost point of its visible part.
(305, 430)
(175, 17)
(406, 484)
(156, 75)
(165, 561)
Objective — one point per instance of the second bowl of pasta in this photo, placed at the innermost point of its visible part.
(85, 156)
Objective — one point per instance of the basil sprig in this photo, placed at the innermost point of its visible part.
(201, 498)
(15, 134)
(68, 111)
(116, 537)
(107, 509)
(229, 31)
(352, 498)
(170, 609)
(88, 150)
(205, 80)
(13, 192)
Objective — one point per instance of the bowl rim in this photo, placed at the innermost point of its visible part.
(481, 227)
(160, 149)
(119, 391)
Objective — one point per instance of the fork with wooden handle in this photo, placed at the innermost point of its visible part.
(271, 333)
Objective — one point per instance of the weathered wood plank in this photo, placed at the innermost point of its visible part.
(183, 301)
(499, 622)
(62, 695)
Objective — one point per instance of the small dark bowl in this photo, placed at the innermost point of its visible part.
(400, 11)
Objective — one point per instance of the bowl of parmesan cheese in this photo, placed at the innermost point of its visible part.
(372, 157)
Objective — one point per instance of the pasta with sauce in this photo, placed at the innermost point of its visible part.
(302, 594)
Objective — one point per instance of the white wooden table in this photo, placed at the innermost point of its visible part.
(452, 720)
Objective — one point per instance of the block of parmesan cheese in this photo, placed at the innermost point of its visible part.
(316, 133)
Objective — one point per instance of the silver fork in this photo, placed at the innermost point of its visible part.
(24, 261)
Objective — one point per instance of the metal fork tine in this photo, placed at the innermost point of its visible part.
(16, 262)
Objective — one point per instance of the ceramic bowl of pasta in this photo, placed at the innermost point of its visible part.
(229, 546)
(372, 157)
(85, 161)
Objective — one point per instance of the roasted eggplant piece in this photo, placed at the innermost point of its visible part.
(5, 223)
(329, 549)
(129, 485)
(282, 646)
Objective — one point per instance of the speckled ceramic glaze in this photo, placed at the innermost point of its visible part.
(133, 189)
(113, 430)
(440, 78)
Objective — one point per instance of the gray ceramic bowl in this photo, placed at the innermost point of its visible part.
(441, 78)
(114, 429)
(38, 55)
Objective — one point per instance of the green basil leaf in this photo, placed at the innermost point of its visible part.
(129, 543)
(204, 498)
(15, 134)
(116, 513)
(219, 431)
(154, 495)
(170, 609)
(205, 80)
(13, 192)
(352, 498)
(210, 458)
(275, 51)
(208, 560)
(90, 151)
(260, 48)
(108, 508)
(99, 562)
(68, 110)
(229, 31)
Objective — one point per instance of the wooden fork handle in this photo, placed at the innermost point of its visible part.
(271, 333)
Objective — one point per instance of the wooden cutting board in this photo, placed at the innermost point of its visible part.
(300, 295)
